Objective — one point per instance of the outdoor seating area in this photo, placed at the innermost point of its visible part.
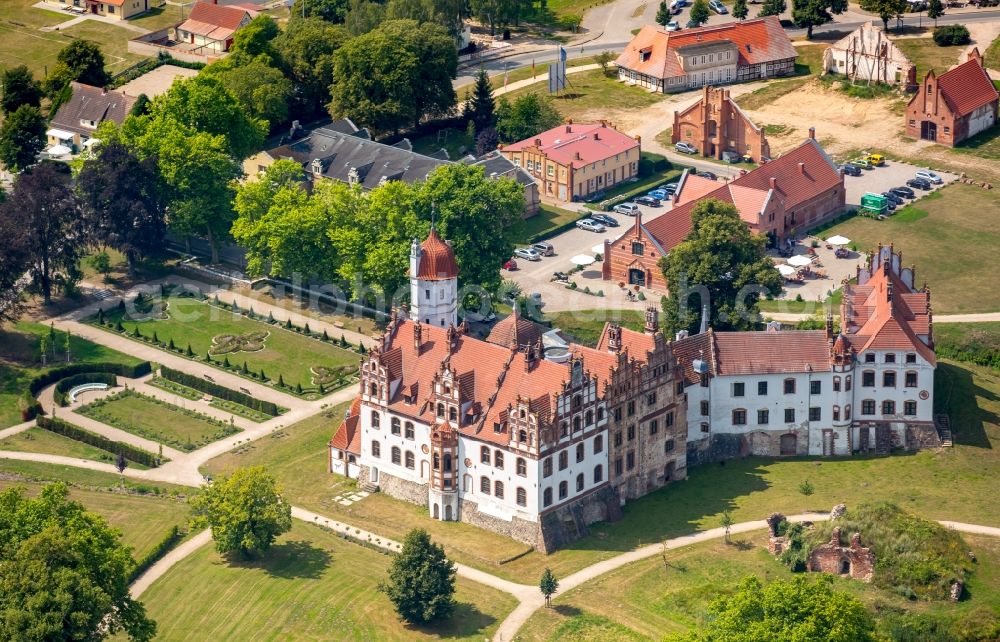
(820, 268)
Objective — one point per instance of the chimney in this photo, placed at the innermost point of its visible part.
(652, 320)
(614, 338)
(812, 133)
(802, 168)
(569, 129)
(417, 336)
(578, 157)
(597, 136)
(638, 138)
(773, 182)
(538, 142)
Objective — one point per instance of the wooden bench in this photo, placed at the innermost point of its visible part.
(86, 387)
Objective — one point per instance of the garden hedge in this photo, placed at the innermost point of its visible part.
(130, 452)
(55, 374)
(267, 407)
(164, 546)
(70, 382)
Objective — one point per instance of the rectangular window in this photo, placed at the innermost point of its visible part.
(815, 387)
(763, 417)
(637, 248)
(631, 408)
(762, 388)
(618, 467)
(629, 461)
(618, 438)
(888, 407)
(670, 419)
(911, 379)
(869, 357)
(868, 379)
(789, 415)
(910, 408)
(739, 417)
(631, 433)
(547, 467)
(651, 399)
(704, 408)
(890, 358)
(836, 413)
(868, 407)
(654, 426)
(889, 379)
(704, 426)
(836, 384)
(789, 386)
(814, 414)
(911, 358)
(738, 389)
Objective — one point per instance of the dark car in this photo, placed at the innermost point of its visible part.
(919, 183)
(604, 218)
(648, 200)
(669, 188)
(709, 175)
(903, 192)
(851, 169)
(893, 198)
(595, 197)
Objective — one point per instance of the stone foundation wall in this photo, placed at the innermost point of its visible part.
(516, 529)
(569, 523)
(854, 560)
(403, 489)
(922, 436)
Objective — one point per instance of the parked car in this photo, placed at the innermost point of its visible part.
(850, 169)
(660, 194)
(878, 160)
(685, 148)
(929, 176)
(648, 201)
(692, 24)
(893, 198)
(919, 183)
(709, 175)
(590, 225)
(669, 188)
(595, 197)
(903, 192)
(718, 7)
(560, 276)
(628, 209)
(543, 248)
(731, 157)
(527, 253)
(604, 219)
(673, 25)
(863, 163)
(675, 7)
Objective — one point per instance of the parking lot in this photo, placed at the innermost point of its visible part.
(881, 179)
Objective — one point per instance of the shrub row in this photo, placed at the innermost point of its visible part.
(164, 546)
(214, 389)
(70, 382)
(55, 374)
(29, 406)
(130, 452)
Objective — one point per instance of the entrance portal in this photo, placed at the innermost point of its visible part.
(928, 130)
(788, 444)
(637, 277)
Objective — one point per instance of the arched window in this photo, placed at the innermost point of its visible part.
(498, 489)
(522, 467)
(580, 454)
(376, 448)
(409, 460)
(376, 418)
(484, 485)
(579, 482)
(522, 497)
(436, 461)
(836, 384)
(498, 459)
(577, 402)
(440, 410)
(847, 412)
(547, 497)
(374, 390)
(484, 455)
(600, 413)
(598, 474)
(447, 463)
(562, 428)
(847, 383)
(588, 418)
(598, 444)
(522, 436)
(452, 414)
(409, 430)
(576, 423)
(836, 413)
(396, 455)
(563, 460)
(394, 426)
(563, 490)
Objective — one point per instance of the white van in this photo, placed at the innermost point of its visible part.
(675, 6)
(628, 209)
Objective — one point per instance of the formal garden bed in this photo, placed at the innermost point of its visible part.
(157, 420)
(238, 340)
(195, 395)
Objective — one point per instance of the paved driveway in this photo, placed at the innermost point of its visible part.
(881, 179)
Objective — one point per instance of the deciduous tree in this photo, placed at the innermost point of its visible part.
(935, 9)
(421, 580)
(807, 14)
(332, 11)
(20, 88)
(22, 137)
(700, 12)
(245, 511)
(724, 265)
(548, 585)
(307, 47)
(262, 90)
(800, 609)
(65, 572)
(885, 9)
(740, 10)
(528, 115)
(772, 8)
(80, 60)
(123, 198)
(15, 259)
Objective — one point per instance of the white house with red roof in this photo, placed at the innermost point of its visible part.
(572, 161)
(209, 28)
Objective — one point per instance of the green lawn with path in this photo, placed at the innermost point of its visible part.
(37, 440)
(590, 92)
(194, 395)
(926, 55)
(285, 353)
(647, 599)
(311, 585)
(154, 419)
(20, 361)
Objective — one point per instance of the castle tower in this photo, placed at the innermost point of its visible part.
(433, 282)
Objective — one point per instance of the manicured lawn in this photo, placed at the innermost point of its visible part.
(591, 92)
(991, 57)
(143, 521)
(36, 440)
(456, 141)
(573, 7)
(311, 585)
(645, 600)
(297, 456)
(951, 237)
(20, 361)
(157, 420)
(549, 218)
(586, 325)
(807, 307)
(190, 393)
(38, 472)
(287, 354)
(926, 55)
(159, 17)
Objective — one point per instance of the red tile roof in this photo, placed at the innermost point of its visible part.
(348, 437)
(967, 87)
(782, 351)
(578, 144)
(215, 21)
(437, 259)
(690, 348)
(636, 343)
(757, 41)
(515, 331)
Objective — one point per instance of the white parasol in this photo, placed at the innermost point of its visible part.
(799, 260)
(838, 240)
(786, 270)
(582, 259)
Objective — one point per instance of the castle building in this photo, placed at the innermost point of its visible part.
(433, 282)
(716, 124)
(954, 106)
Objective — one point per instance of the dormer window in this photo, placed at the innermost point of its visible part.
(645, 54)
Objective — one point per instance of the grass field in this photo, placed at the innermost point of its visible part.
(585, 326)
(144, 521)
(808, 63)
(286, 353)
(20, 362)
(190, 393)
(926, 55)
(36, 440)
(991, 57)
(645, 600)
(591, 92)
(950, 236)
(800, 307)
(157, 420)
(311, 585)
(297, 456)
(549, 217)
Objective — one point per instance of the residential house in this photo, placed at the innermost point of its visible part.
(77, 119)
(572, 161)
(496, 165)
(113, 9)
(209, 28)
(867, 55)
(716, 124)
(955, 106)
(739, 51)
(783, 197)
